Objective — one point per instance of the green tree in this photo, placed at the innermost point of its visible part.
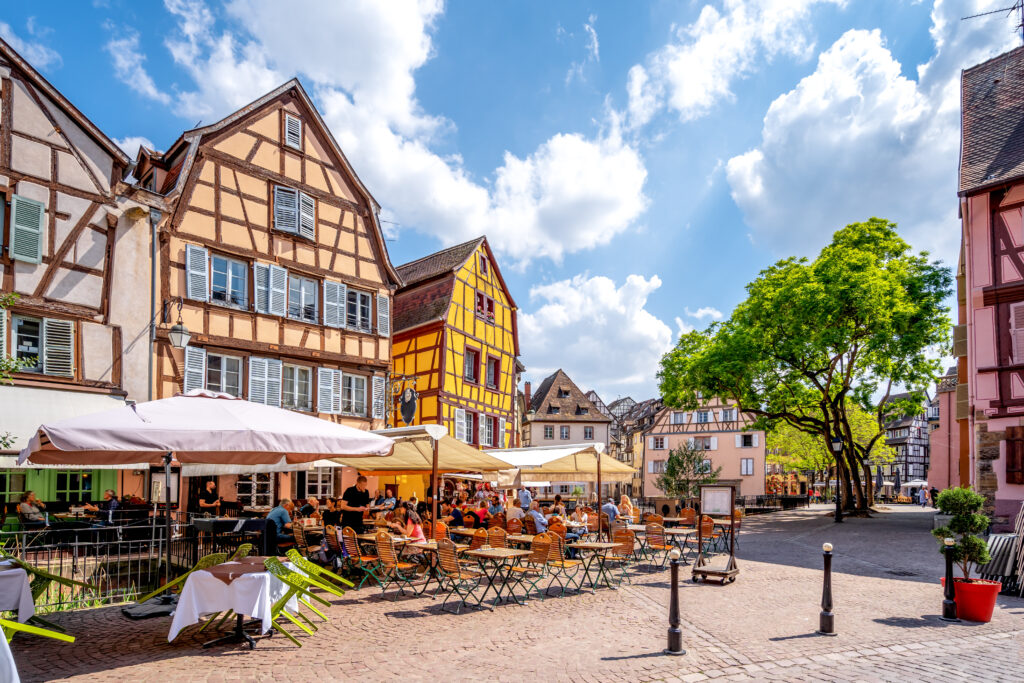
(815, 339)
(685, 470)
(8, 364)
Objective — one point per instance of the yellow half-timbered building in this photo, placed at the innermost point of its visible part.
(456, 337)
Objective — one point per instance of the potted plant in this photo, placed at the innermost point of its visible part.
(975, 598)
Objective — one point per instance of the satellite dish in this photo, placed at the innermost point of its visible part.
(407, 405)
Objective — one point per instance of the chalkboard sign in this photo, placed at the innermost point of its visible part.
(716, 500)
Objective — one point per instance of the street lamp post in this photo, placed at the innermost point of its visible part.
(837, 448)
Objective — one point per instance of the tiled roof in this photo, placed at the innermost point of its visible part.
(428, 312)
(558, 399)
(992, 120)
(438, 263)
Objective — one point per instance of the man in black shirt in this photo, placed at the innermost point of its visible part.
(354, 502)
(209, 501)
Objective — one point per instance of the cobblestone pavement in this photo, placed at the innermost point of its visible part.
(887, 601)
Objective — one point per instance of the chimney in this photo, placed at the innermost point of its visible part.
(526, 395)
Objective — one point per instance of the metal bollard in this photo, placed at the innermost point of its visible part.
(675, 634)
(826, 620)
(949, 604)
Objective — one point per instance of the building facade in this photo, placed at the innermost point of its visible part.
(908, 436)
(989, 341)
(716, 427)
(559, 412)
(944, 437)
(456, 346)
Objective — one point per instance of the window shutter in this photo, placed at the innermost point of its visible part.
(58, 347)
(286, 209)
(261, 280)
(278, 298)
(292, 131)
(325, 390)
(258, 380)
(195, 369)
(714, 443)
(1015, 455)
(754, 441)
(3, 327)
(307, 216)
(378, 398)
(384, 315)
(500, 440)
(650, 467)
(27, 217)
(460, 424)
(650, 442)
(1017, 331)
(739, 441)
(197, 273)
(275, 370)
(691, 442)
(334, 304)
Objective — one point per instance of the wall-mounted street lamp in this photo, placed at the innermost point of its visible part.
(179, 334)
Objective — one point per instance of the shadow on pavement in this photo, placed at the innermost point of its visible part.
(640, 656)
(927, 621)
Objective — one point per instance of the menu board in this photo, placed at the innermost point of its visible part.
(716, 500)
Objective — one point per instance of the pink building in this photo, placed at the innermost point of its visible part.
(990, 339)
(944, 437)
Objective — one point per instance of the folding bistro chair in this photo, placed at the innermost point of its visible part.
(392, 570)
(689, 517)
(328, 580)
(205, 562)
(296, 588)
(622, 554)
(368, 564)
(530, 525)
(241, 552)
(561, 569)
(335, 550)
(497, 520)
(458, 580)
(514, 526)
(533, 569)
(10, 628)
(300, 542)
(479, 539)
(39, 583)
(441, 531)
(496, 537)
(710, 537)
(657, 543)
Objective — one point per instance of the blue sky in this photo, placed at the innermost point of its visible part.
(633, 164)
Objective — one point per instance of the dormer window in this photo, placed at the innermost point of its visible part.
(580, 410)
(563, 393)
(293, 131)
(483, 265)
(553, 410)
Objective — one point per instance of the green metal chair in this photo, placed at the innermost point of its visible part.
(316, 571)
(296, 588)
(10, 628)
(205, 562)
(368, 564)
(40, 583)
(241, 552)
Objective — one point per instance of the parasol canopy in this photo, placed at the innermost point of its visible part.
(573, 462)
(414, 451)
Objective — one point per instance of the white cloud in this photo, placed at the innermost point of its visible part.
(704, 312)
(35, 53)
(683, 327)
(601, 334)
(593, 51)
(573, 192)
(696, 70)
(129, 66)
(857, 138)
(131, 144)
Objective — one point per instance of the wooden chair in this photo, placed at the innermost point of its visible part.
(654, 519)
(593, 523)
(545, 510)
(334, 547)
(393, 570)
(468, 520)
(622, 554)
(557, 528)
(708, 534)
(657, 543)
(300, 541)
(689, 517)
(515, 526)
(440, 531)
(530, 525)
(561, 569)
(479, 539)
(497, 520)
(496, 537)
(368, 564)
(460, 581)
(534, 567)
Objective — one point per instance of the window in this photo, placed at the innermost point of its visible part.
(487, 438)
(485, 306)
(471, 366)
(747, 440)
(588, 433)
(580, 410)
(353, 394)
(703, 416)
(12, 485)
(554, 410)
(563, 393)
(563, 432)
(74, 486)
(319, 483)
(28, 335)
(297, 384)
(302, 298)
(746, 466)
(658, 443)
(678, 418)
(224, 373)
(358, 311)
(702, 443)
(705, 466)
(255, 490)
(469, 421)
(293, 131)
(656, 466)
(493, 372)
(549, 432)
(228, 284)
(484, 267)
(46, 345)
(294, 212)
(728, 414)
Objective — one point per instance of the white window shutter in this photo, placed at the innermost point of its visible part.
(197, 273)
(691, 442)
(286, 209)
(460, 424)
(336, 391)
(739, 441)
(384, 315)
(258, 380)
(650, 442)
(714, 443)
(27, 218)
(754, 442)
(500, 440)
(195, 369)
(58, 347)
(307, 216)
(325, 390)
(1017, 331)
(293, 131)
(334, 304)
(378, 398)
(275, 371)
(650, 467)
(261, 285)
(278, 298)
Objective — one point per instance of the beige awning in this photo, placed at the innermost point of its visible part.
(576, 462)
(414, 454)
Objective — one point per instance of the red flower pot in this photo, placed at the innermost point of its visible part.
(975, 599)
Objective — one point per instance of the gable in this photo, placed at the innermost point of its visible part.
(558, 399)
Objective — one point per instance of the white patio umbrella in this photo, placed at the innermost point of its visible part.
(201, 428)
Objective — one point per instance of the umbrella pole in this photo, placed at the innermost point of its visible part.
(167, 512)
(599, 501)
(433, 488)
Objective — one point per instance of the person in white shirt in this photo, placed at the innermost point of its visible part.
(514, 511)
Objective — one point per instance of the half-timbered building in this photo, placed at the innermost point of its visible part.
(73, 253)
(456, 346)
(273, 257)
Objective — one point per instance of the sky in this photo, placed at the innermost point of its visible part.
(634, 165)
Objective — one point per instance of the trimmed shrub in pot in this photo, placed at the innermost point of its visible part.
(975, 598)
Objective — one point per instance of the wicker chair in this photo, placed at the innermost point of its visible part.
(459, 580)
(496, 537)
(392, 570)
(514, 526)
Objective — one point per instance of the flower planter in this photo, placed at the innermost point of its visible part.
(975, 600)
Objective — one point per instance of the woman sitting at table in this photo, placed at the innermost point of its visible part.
(626, 507)
(579, 515)
(397, 523)
(332, 514)
(30, 510)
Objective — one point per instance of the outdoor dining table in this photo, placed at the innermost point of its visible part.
(243, 586)
(597, 551)
(8, 669)
(16, 592)
(519, 539)
(462, 531)
(433, 571)
(500, 559)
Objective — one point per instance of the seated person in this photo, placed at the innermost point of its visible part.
(31, 510)
(451, 515)
(495, 507)
(515, 510)
(481, 512)
(331, 515)
(538, 518)
(558, 508)
(209, 501)
(388, 502)
(579, 515)
(107, 506)
(310, 509)
(282, 518)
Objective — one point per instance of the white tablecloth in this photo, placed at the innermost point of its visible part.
(250, 594)
(15, 592)
(8, 670)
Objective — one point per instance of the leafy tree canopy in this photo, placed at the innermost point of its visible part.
(686, 469)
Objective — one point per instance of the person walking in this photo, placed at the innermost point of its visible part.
(934, 495)
(922, 497)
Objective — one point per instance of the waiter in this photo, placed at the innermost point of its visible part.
(209, 501)
(354, 502)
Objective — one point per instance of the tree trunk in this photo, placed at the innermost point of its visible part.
(857, 502)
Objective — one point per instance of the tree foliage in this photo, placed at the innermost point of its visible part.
(8, 364)
(796, 450)
(816, 339)
(685, 471)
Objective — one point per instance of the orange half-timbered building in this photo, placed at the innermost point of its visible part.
(456, 336)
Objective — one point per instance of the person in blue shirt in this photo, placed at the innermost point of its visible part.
(525, 498)
(538, 518)
(610, 509)
(495, 506)
(108, 506)
(450, 514)
(282, 519)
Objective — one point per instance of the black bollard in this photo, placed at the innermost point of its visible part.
(826, 620)
(949, 604)
(675, 634)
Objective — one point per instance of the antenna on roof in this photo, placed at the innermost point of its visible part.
(1017, 6)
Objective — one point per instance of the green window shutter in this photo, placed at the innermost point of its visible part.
(27, 216)
(58, 347)
(3, 331)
